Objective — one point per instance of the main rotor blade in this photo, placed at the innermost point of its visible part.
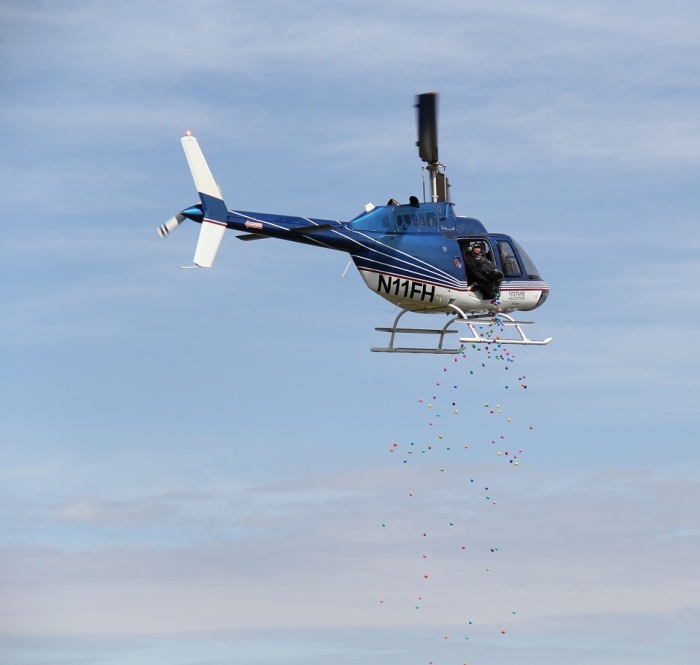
(427, 127)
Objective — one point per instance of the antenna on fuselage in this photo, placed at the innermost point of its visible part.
(428, 145)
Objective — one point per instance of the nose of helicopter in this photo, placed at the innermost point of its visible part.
(543, 297)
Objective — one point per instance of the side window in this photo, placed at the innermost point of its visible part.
(431, 219)
(511, 268)
(403, 222)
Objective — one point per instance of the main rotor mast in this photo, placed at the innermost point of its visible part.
(428, 145)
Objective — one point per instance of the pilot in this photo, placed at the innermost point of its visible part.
(413, 200)
(482, 272)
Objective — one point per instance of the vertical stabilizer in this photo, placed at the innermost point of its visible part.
(210, 236)
(214, 222)
(203, 179)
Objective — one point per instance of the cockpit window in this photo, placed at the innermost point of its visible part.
(511, 267)
(530, 268)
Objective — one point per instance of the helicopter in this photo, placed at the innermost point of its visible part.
(414, 254)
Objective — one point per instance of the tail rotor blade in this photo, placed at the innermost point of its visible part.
(427, 127)
(170, 225)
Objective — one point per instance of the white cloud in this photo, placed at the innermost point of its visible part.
(564, 85)
(563, 548)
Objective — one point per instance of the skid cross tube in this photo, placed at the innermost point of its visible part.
(492, 320)
(395, 330)
(499, 321)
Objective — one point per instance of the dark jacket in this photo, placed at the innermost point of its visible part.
(481, 270)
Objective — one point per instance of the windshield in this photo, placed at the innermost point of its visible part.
(530, 267)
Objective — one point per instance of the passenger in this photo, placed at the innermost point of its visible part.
(482, 272)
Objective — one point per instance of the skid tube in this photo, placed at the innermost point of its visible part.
(495, 320)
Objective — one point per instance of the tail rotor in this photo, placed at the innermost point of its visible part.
(168, 227)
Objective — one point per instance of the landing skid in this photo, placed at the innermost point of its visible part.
(495, 322)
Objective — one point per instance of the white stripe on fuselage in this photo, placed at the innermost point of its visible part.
(423, 295)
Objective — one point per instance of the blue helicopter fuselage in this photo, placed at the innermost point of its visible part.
(412, 255)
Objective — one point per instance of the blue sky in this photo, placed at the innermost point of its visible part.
(196, 465)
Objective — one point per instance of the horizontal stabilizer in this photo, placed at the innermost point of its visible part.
(303, 230)
(252, 236)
